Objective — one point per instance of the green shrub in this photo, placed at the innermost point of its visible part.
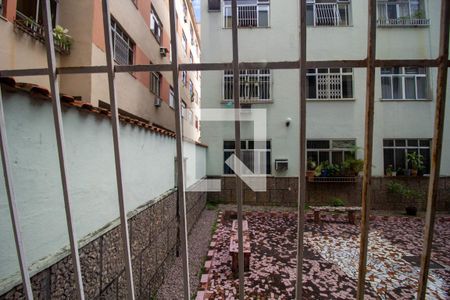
(337, 202)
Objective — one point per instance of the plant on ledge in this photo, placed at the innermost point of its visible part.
(61, 37)
(416, 161)
(348, 168)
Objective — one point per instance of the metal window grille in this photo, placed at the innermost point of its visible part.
(331, 13)
(404, 83)
(370, 63)
(254, 85)
(330, 83)
(123, 45)
(249, 15)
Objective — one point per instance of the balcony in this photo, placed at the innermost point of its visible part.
(401, 14)
(36, 31)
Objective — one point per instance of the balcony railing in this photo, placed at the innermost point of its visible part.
(36, 31)
(329, 14)
(393, 14)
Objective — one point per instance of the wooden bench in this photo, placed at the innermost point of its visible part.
(351, 210)
(234, 247)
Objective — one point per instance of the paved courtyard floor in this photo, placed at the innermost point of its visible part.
(331, 258)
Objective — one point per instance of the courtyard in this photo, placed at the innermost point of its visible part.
(331, 257)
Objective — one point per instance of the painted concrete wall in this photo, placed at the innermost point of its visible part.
(325, 119)
(148, 171)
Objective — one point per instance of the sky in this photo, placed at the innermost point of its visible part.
(196, 5)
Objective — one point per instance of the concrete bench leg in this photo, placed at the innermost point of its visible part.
(317, 216)
(351, 217)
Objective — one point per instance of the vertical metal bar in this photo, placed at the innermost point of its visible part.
(116, 140)
(27, 290)
(368, 148)
(59, 131)
(302, 148)
(436, 148)
(180, 153)
(237, 143)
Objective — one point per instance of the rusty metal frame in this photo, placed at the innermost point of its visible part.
(370, 63)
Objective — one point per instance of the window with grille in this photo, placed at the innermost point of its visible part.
(171, 98)
(328, 13)
(184, 77)
(123, 45)
(155, 83)
(252, 151)
(184, 43)
(155, 25)
(332, 151)
(395, 153)
(404, 83)
(401, 12)
(329, 83)
(253, 85)
(250, 13)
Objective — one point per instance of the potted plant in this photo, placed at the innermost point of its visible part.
(416, 161)
(311, 167)
(389, 170)
(61, 38)
(406, 193)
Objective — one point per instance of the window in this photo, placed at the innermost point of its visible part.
(252, 13)
(332, 151)
(255, 156)
(1, 7)
(191, 90)
(404, 83)
(171, 98)
(183, 109)
(328, 12)
(401, 13)
(184, 43)
(191, 31)
(155, 25)
(184, 77)
(329, 83)
(395, 153)
(155, 83)
(123, 45)
(253, 85)
(31, 9)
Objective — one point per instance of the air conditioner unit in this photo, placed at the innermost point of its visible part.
(158, 102)
(281, 164)
(163, 51)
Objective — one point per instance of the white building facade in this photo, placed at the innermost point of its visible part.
(337, 30)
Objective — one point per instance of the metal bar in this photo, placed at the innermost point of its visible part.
(180, 154)
(436, 149)
(368, 148)
(116, 140)
(237, 143)
(59, 132)
(9, 185)
(302, 148)
(430, 63)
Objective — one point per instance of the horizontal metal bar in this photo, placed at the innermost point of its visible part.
(358, 63)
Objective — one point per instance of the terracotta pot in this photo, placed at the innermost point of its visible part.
(310, 174)
(413, 172)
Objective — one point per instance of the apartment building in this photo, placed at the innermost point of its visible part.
(336, 30)
(141, 35)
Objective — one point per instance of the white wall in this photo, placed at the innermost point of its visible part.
(325, 119)
(148, 171)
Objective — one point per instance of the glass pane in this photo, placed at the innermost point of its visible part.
(398, 89)
(311, 87)
(400, 158)
(421, 87)
(318, 144)
(400, 143)
(392, 11)
(336, 157)
(412, 143)
(426, 160)
(324, 156)
(309, 15)
(388, 143)
(226, 168)
(386, 70)
(410, 88)
(263, 18)
(388, 158)
(228, 145)
(386, 91)
(347, 86)
(313, 155)
(343, 144)
(425, 143)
